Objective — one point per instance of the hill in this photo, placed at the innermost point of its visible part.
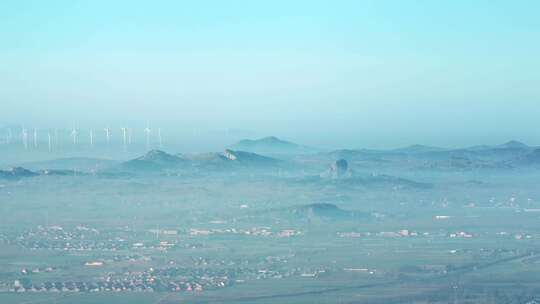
(155, 160)
(16, 173)
(484, 156)
(531, 159)
(271, 145)
(249, 158)
(339, 169)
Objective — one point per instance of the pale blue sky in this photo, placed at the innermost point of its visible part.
(340, 73)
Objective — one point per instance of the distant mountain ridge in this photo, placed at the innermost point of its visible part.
(157, 160)
(418, 149)
(271, 145)
(509, 151)
(342, 163)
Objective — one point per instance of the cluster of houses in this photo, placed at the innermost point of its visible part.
(255, 231)
(151, 280)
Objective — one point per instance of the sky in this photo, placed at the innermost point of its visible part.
(351, 74)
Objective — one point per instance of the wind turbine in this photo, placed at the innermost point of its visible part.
(49, 140)
(159, 137)
(147, 131)
(74, 135)
(129, 136)
(107, 134)
(56, 137)
(25, 137)
(8, 140)
(91, 137)
(35, 138)
(124, 136)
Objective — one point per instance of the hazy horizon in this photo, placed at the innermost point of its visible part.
(367, 74)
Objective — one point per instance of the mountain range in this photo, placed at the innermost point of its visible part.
(271, 145)
(508, 155)
(157, 160)
(512, 154)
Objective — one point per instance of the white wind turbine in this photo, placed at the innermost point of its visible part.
(35, 138)
(74, 135)
(159, 137)
(147, 131)
(25, 137)
(107, 134)
(124, 136)
(49, 140)
(129, 136)
(56, 137)
(91, 137)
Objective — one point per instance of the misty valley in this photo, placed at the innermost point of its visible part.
(271, 221)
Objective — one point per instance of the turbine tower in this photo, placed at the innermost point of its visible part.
(49, 140)
(147, 131)
(25, 137)
(74, 135)
(107, 134)
(56, 137)
(124, 136)
(159, 137)
(91, 137)
(35, 138)
(8, 140)
(129, 136)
